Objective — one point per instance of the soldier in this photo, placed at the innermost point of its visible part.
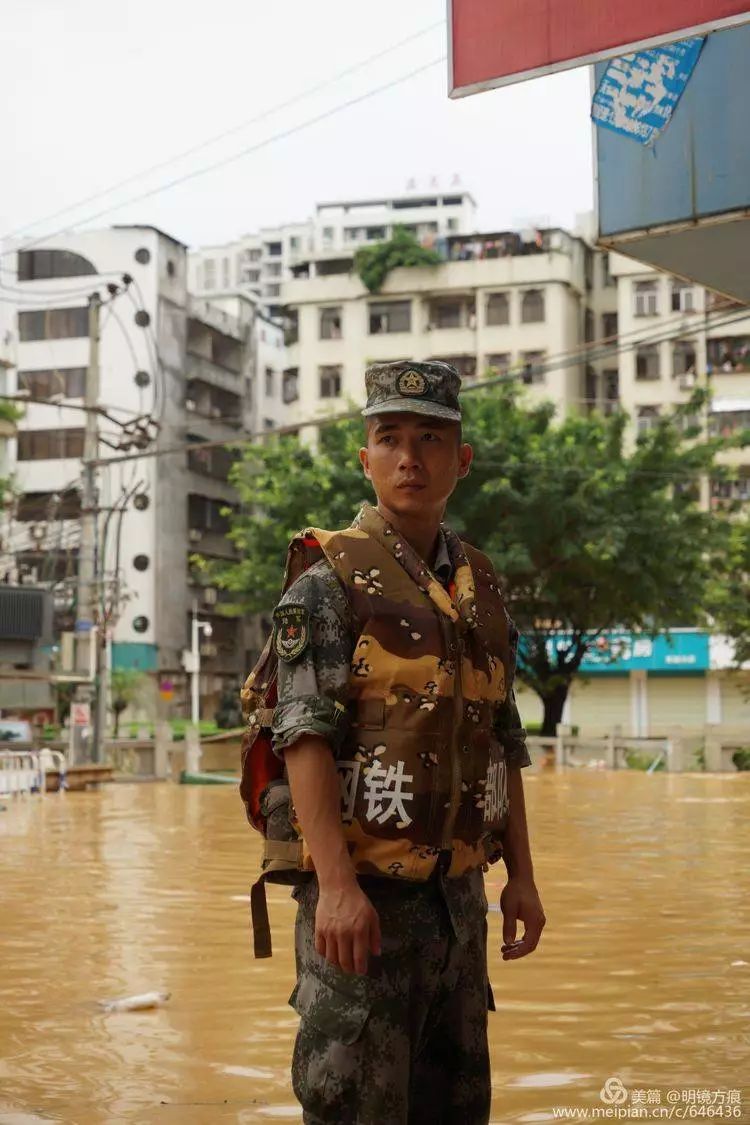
(397, 724)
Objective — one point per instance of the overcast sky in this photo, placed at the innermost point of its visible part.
(96, 93)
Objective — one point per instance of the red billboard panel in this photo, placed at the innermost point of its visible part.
(497, 42)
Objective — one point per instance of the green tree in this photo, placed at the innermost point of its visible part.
(588, 532)
(729, 590)
(374, 263)
(284, 486)
(127, 685)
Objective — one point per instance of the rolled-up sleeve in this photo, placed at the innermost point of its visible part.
(313, 689)
(510, 732)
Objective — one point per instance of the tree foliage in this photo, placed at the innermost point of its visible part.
(374, 263)
(588, 531)
(729, 589)
(126, 686)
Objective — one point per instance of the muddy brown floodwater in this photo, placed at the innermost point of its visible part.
(643, 973)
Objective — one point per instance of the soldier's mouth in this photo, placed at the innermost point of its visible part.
(411, 486)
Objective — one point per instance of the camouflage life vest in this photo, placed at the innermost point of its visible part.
(421, 769)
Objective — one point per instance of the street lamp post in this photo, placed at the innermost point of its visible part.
(198, 627)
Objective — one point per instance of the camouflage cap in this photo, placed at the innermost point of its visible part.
(417, 388)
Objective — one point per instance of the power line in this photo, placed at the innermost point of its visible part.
(318, 422)
(222, 163)
(256, 119)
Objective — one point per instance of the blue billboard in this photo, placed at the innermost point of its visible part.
(618, 652)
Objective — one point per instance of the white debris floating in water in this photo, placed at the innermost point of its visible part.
(136, 1003)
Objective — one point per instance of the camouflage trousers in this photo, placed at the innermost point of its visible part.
(407, 1043)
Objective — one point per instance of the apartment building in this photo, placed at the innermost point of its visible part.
(174, 371)
(260, 263)
(673, 337)
(520, 303)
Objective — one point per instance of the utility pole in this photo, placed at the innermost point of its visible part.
(85, 626)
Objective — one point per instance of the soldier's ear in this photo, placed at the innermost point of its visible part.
(465, 458)
(364, 461)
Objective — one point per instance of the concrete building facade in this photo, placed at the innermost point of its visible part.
(174, 371)
(500, 303)
(260, 263)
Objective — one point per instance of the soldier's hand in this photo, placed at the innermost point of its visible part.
(347, 927)
(520, 900)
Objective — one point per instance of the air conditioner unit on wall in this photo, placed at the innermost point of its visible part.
(210, 595)
(194, 535)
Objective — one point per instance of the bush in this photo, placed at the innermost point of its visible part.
(637, 760)
(741, 758)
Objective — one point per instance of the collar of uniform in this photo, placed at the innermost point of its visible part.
(461, 608)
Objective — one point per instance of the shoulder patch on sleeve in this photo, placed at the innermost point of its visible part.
(291, 631)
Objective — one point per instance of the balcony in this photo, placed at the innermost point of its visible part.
(208, 372)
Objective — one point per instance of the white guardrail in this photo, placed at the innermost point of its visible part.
(24, 771)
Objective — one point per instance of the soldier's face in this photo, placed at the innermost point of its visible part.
(414, 463)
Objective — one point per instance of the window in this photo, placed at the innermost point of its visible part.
(498, 309)
(214, 463)
(465, 365)
(290, 385)
(36, 506)
(533, 367)
(53, 324)
(609, 326)
(498, 363)
(729, 355)
(611, 380)
(209, 274)
(646, 299)
(273, 269)
(647, 418)
(647, 362)
(683, 297)
(39, 265)
(330, 381)
(273, 249)
(452, 312)
(272, 290)
(452, 200)
(49, 445)
(269, 382)
(390, 316)
(291, 327)
(328, 233)
(330, 323)
(294, 244)
(375, 234)
(226, 273)
(532, 306)
(254, 255)
(353, 234)
(588, 326)
(452, 224)
(683, 357)
(269, 424)
(70, 382)
(206, 514)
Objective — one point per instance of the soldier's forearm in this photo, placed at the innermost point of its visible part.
(316, 794)
(516, 847)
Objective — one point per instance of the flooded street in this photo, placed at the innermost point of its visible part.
(643, 971)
